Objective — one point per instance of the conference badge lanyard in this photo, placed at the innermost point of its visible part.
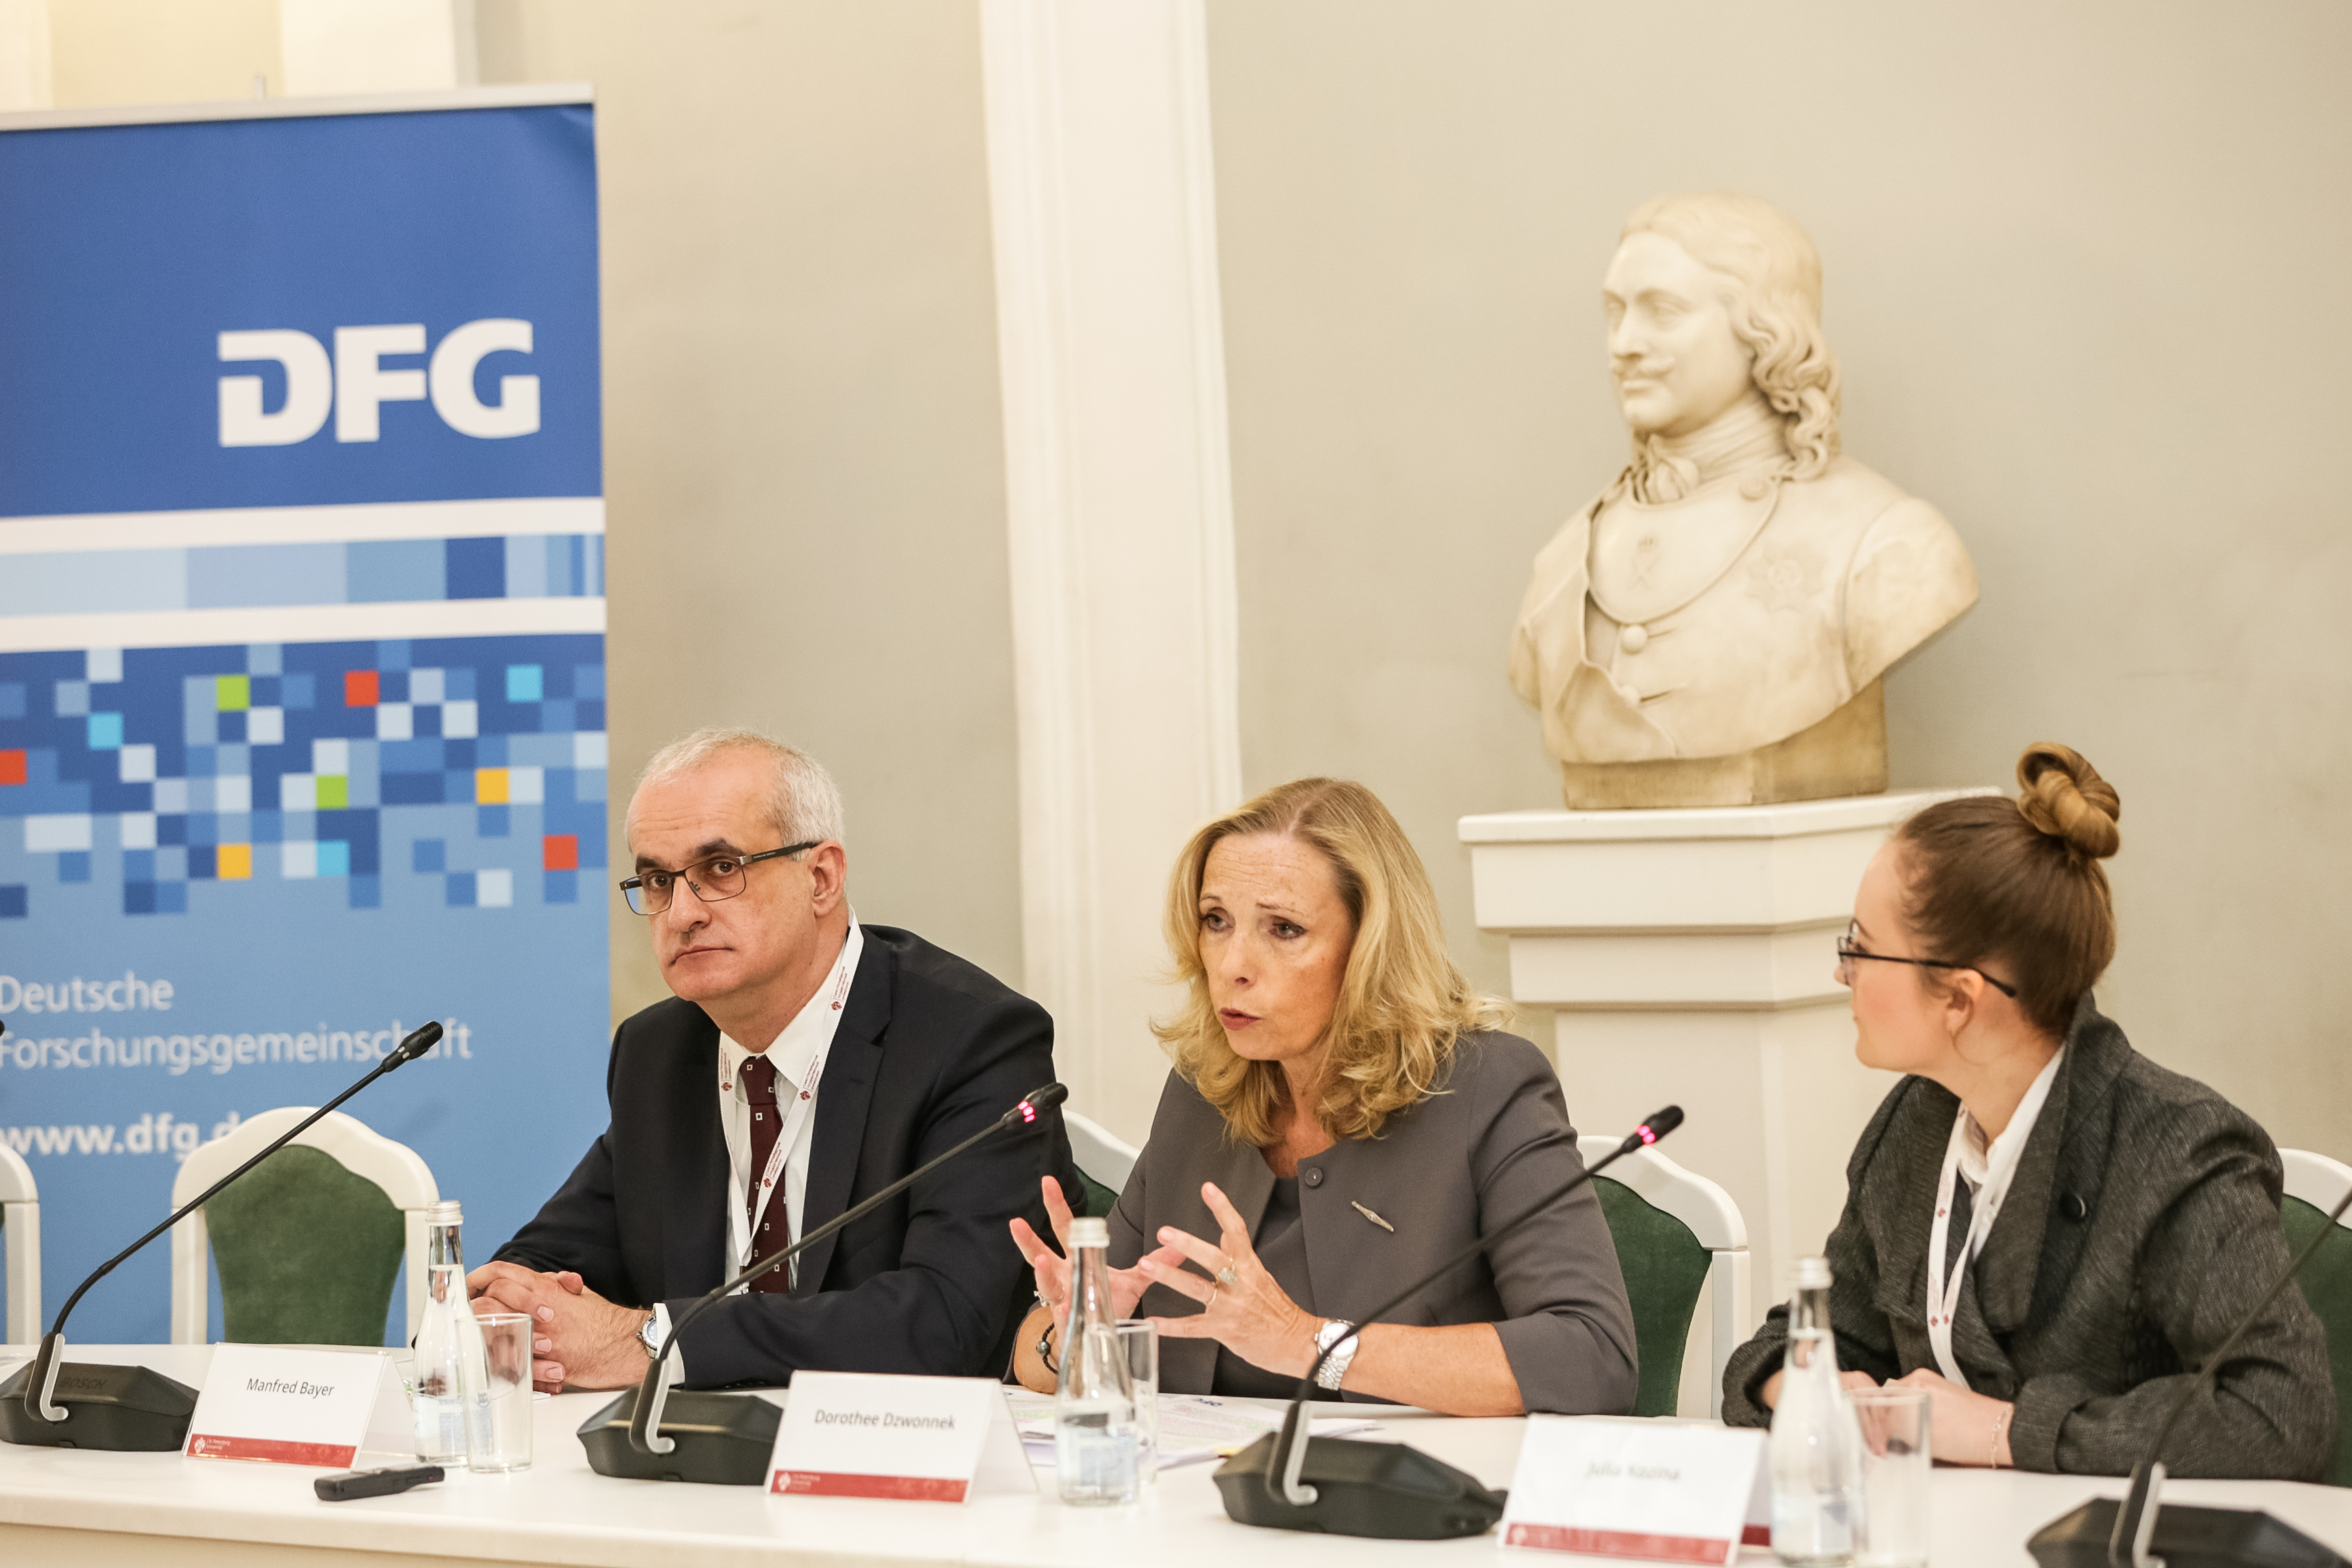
(2001, 1168)
(743, 1228)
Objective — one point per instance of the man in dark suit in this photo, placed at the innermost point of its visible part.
(804, 1062)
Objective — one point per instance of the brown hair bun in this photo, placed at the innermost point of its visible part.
(2064, 797)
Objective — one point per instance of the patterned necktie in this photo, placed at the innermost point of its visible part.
(774, 1230)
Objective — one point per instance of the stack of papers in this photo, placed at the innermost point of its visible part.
(1193, 1427)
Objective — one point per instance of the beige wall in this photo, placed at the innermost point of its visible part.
(110, 52)
(2084, 271)
(804, 467)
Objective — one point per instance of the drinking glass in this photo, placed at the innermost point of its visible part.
(1895, 1423)
(503, 1437)
(1139, 1341)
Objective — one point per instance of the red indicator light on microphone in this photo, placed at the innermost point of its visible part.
(1646, 1135)
(1028, 1111)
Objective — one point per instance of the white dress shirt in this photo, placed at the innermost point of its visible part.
(1988, 1166)
(798, 1056)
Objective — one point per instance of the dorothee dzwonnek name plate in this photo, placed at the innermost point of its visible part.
(924, 1440)
(288, 1406)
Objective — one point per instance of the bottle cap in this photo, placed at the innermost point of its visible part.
(446, 1211)
(1812, 1274)
(1090, 1233)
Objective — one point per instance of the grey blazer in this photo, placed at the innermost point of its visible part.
(1491, 1140)
(2143, 1223)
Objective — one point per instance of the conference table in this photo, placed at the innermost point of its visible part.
(60, 1505)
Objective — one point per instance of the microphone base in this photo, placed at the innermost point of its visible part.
(1383, 1489)
(723, 1440)
(2185, 1538)
(119, 1409)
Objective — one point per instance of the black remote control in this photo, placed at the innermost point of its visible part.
(381, 1482)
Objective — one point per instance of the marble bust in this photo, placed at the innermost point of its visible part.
(1711, 629)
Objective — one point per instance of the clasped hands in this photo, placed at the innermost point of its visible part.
(1244, 1309)
(577, 1336)
(1965, 1427)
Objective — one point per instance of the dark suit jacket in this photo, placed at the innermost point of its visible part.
(1493, 1140)
(929, 1050)
(2143, 1223)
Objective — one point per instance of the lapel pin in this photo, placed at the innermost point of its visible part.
(1370, 1216)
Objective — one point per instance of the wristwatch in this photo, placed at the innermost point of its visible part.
(1334, 1370)
(649, 1334)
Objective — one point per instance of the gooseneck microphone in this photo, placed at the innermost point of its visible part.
(1386, 1489)
(138, 1408)
(726, 1438)
(2085, 1538)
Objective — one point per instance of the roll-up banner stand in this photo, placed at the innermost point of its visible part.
(301, 650)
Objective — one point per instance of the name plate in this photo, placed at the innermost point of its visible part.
(288, 1406)
(923, 1439)
(1655, 1490)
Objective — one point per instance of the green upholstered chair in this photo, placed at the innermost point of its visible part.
(1103, 1159)
(1678, 1236)
(2313, 1185)
(308, 1245)
(20, 1232)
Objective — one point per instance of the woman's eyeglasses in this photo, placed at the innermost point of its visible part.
(1850, 949)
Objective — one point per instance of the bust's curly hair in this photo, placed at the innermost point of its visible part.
(1775, 304)
(1402, 1002)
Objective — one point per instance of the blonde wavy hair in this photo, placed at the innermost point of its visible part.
(1775, 304)
(1403, 1004)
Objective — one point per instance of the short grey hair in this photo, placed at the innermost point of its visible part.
(803, 800)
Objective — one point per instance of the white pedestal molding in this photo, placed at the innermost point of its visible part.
(1689, 956)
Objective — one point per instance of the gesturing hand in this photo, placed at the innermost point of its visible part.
(1247, 1312)
(1053, 1268)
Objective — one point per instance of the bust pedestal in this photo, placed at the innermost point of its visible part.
(1689, 954)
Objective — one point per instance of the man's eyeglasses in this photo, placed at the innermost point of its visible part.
(1850, 947)
(717, 877)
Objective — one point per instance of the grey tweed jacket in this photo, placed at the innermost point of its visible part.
(2143, 1223)
(1493, 1140)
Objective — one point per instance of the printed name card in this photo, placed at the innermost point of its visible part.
(1610, 1487)
(925, 1439)
(289, 1406)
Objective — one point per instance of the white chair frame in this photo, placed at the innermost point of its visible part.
(2317, 1179)
(1101, 1153)
(1714, 1219)
(20, 1208)
(399, 1169)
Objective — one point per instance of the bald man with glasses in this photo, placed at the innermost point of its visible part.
(803, 1062)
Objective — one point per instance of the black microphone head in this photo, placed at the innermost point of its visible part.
(1660, 1124)
(1041, 1099)
(417, 1044)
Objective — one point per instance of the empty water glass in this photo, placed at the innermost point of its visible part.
(1895, 1423)
(502, 1438)
(1139, 1341)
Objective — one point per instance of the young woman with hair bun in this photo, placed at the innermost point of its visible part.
(2044, 1228)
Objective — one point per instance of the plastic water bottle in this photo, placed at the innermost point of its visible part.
(1817, 1496)
(452, 1398)
(1096, 1443)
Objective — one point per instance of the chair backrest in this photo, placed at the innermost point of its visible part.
(20, 1231)
(309, 1243)
(1104, 1160)
(1677, 1234)
(2313, 1185)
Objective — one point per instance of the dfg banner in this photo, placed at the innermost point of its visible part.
(301, 652)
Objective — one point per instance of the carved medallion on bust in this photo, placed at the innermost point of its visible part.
(1712, 629)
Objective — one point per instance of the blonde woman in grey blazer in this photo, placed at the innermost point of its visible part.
(1343, 1113)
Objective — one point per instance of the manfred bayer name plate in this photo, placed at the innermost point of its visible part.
(291, 1407)
(927, 1439)
(1663, 1490)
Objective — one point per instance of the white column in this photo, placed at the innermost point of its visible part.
(337, 47)
(1119, 503)
(1689, 955)
(25, 55)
